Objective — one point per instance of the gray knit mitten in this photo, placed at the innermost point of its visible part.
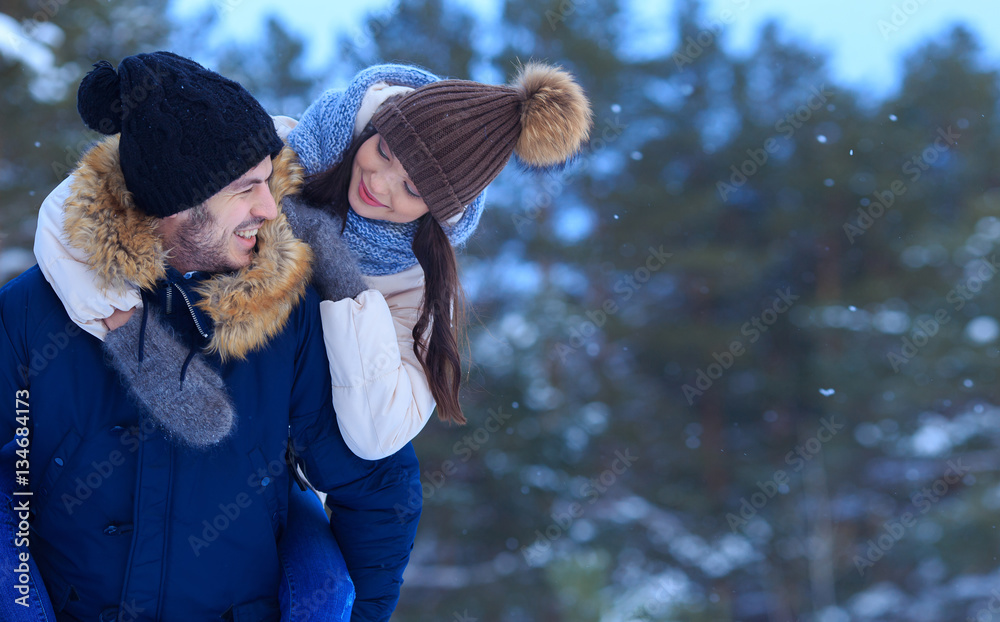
(335, 272)
(197, 412)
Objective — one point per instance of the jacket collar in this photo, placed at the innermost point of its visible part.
(247, 307)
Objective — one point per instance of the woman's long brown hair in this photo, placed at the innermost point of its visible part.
(443, 309)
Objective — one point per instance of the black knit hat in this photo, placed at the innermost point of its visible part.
(186, 132)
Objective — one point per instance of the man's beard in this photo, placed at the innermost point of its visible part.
(195, 247)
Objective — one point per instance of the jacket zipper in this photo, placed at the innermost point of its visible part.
(194, 317)
(170, 300)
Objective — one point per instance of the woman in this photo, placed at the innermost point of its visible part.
(405, 171)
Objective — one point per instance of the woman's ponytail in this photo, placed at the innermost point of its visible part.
(444, 312)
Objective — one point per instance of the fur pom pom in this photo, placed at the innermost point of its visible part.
(95, 101)
(555, 118)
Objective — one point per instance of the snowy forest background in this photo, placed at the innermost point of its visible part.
(740, 363)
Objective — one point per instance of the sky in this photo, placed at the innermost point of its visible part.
(865, 40)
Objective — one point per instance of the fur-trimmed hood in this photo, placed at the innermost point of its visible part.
(248, 307)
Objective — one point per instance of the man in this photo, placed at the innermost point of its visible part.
(158, 486)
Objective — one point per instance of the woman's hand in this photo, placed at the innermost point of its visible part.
(118, 318)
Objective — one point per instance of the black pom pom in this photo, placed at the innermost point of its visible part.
(99, 97)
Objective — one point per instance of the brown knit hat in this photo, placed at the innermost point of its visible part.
(454, 137)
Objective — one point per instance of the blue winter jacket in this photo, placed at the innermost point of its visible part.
(130, 525)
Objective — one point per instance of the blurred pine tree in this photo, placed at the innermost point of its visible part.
(48, 46)
(691, 395)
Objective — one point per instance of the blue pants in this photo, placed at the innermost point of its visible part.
(315, 585)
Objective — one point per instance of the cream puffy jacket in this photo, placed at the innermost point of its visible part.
(380, 392)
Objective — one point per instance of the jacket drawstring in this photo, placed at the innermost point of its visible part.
(142, 327)
(191, 352)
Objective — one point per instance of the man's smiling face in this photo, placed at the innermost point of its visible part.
(220, 234)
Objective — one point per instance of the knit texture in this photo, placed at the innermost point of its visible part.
(195, 411)
(327, 126)
(335, 271)
(186, 132)
(323, 134)
(454, 137)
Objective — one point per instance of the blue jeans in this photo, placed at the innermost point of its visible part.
(315, 585)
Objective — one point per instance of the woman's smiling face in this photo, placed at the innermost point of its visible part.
(380, 187)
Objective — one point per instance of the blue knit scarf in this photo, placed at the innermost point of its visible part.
(320, 139)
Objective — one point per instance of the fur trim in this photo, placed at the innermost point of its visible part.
(101, 218)
(556, 116)
(248, 307)
(252, 305)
